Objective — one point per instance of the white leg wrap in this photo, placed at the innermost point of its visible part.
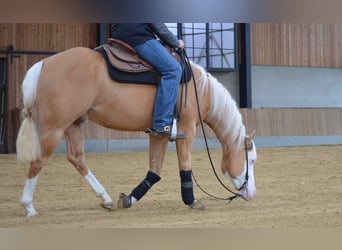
(27, 196)
(97, 187)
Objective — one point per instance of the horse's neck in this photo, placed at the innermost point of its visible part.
(224, 118)
(230, 142)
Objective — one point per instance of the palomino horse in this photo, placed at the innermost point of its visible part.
(68, 87)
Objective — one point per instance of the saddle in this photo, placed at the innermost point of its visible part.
(124, 65)
(123, 57)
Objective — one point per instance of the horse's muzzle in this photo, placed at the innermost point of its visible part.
(247, 196)
(249, 192)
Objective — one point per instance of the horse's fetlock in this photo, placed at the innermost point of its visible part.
(26, 113)
(26, 202)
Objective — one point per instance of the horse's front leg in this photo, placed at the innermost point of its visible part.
(157, 153)
(184, 149)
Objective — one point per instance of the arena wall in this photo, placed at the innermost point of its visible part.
(295, 68)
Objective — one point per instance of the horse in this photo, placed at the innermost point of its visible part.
(61, 91)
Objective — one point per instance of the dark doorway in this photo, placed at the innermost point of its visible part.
(3, 105)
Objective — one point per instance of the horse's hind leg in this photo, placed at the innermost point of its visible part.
(75, 154)
(29, 188)
(48, 142)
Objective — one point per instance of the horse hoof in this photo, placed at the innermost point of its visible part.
(109, 206)
(124, 201)
(30, 211)
(31, 215)
(197, 205)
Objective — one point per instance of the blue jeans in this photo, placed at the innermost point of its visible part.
(154, 53)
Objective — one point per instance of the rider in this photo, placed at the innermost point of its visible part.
(143, 38)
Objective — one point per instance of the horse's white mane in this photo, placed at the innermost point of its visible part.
(224, 117)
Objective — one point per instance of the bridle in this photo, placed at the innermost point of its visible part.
(185, 59)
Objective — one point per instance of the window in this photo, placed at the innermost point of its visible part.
(211, 45)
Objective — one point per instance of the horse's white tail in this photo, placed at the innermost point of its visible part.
(28, 145)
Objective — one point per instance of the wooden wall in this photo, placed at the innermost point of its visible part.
(293, 44)
(267, 122)
(293, 121)
(47, 37)
(40, 37)
(36, 37)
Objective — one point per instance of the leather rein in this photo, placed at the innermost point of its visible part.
(185, 60)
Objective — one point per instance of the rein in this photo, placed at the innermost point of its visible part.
(185, 59)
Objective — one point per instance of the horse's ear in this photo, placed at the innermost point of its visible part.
(250, 137)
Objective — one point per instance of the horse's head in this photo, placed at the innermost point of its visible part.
(239, 168)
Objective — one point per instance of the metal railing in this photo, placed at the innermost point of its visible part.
(9, 55)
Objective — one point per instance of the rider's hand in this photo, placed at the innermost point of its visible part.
(181, 44)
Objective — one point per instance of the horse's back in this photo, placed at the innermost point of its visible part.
(77, 66)
(73, 58)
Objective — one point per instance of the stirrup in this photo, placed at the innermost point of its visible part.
(161, 134)
(167, 131)
(173, 135)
